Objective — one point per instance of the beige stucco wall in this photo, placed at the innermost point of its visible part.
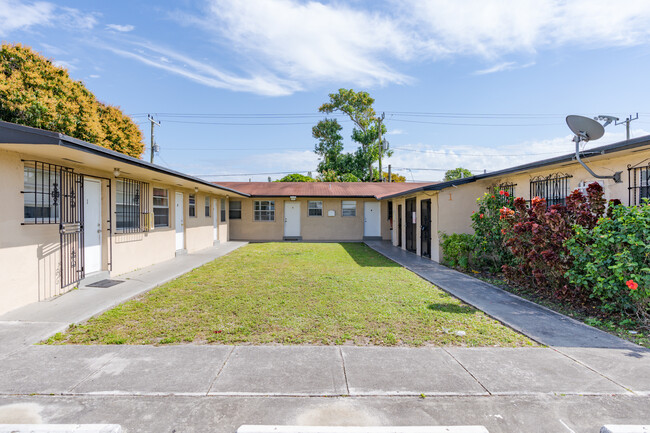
(452, 207)
(312, 228)
(30, 253)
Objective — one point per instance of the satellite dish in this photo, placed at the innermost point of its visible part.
(585, 128)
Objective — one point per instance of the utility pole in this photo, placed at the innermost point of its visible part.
(381, 147)
(390, 174)
(153, 123)
(627, 124)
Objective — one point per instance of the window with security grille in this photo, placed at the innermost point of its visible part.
(638, 184)
(554, 188)
(264, 210)
(508, 187)
(131, 206)
(315, 208)
(41, 193)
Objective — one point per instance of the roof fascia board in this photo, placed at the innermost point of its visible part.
(27, 135)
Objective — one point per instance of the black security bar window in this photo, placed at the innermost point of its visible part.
(42, 192)
(638, 178)
(508, 187)
(554, 188)
(131, 206)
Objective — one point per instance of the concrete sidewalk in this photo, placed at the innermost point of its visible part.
(218, 388)
(34, 322)
(539, 323)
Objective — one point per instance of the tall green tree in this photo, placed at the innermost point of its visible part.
(457, 173)
(35, 92)
(296, 177)
(358, 106)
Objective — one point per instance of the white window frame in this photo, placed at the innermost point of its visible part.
(165, 198)
(259, 212)
(351, 210)
(191, 207)
(315, 205)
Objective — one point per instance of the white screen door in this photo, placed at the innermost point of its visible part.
(371, 219)
(291, 219)
(92, 225)
(215, 221)
(178, 215)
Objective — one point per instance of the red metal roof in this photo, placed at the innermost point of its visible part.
(322, 189)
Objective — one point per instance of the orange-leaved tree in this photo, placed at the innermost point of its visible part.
(35, 92)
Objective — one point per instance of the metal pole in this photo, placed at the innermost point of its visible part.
(381, 148)
(153, 122)
(390, 174)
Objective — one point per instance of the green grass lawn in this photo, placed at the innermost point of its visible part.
(296, 293)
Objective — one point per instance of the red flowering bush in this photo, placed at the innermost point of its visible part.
(536, 238)
(489, 252)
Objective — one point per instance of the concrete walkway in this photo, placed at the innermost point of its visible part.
(218, 388)
(539, 323)
(34, 322)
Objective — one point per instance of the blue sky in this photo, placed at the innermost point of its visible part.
(482, 84)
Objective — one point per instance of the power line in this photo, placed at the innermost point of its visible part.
(477, 154)
(474, 124)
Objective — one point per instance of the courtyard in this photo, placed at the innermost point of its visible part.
(296, 293)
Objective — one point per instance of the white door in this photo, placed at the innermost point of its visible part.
(92, 225)
(291, 219)
(180, 222)
(215, 221)
(371, 219)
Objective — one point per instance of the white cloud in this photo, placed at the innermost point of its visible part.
(479, 158)
(120, 28)
(94, 76)
(18, 15)
(311, 42)
(15, 15)
(505, 66)
(63, 64)
(203, 73)
(396, 132)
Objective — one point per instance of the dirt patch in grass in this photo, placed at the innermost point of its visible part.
(296, 293)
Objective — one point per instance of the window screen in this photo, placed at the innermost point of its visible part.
(234, 212)
(160, 207)
(264, 210)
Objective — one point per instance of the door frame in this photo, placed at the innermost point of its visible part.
(292, 237)
(181, 232)
(215, 221)
(399, 225)
(411, 227)
(377, 206)
(101, 228)
(425, 223)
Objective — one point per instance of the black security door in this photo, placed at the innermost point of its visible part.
(399, 225)
(425, 221)
(71, 226)
(411, 224)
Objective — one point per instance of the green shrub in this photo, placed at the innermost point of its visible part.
(457, 249)
(612, 261)
(491, 253)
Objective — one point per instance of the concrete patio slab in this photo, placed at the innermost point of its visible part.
(52, 369)
(537, 322)
(499, 414)
(282, 370)
(629, 368)
(167, 369)
(532, 370)
(407, 371)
